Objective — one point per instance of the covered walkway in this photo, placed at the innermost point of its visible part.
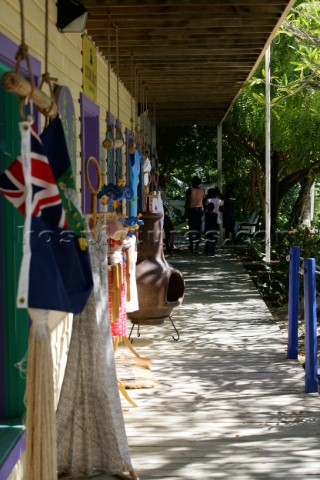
(229, 405)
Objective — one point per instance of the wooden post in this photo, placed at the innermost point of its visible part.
(15, 83)
(310, 315)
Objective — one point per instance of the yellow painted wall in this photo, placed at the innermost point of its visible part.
(64, 61)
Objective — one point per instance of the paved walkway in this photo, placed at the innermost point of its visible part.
(229, 404)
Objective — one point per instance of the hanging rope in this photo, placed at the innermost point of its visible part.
(109, 76)
(141, 114)
(119, 141)
(46, 76)
(146, 135)
(117, 66)
(131, 75)
(41, 444)
(22, 53)
(41, 458)
(130, 145)
(143, 119)
(136, 104)
(26, 89)
(108, 142)
(154, 137)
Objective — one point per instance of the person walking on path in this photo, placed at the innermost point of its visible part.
(229, 213)
(212, 215)
(194, 208)
(167, 225)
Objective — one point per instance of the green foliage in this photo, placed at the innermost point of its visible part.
(288, 202)
(295, 122)
(273, 281)
(185, 152)
(295, 125)
(317, 203)
(308, 242)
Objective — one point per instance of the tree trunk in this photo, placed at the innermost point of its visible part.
(299, 209)
(254, 176)
(260, 189)
(275, 197)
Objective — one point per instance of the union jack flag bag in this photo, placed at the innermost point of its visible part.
(55, 273)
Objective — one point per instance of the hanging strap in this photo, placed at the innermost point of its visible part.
(23, 285)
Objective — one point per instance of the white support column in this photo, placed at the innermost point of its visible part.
(219, 166)
(219, 155)
(267, 161)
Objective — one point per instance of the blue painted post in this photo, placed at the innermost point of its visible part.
(293, 307)
(310, 314)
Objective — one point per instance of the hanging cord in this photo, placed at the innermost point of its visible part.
(118, 120)
(131, 75)
(154, 136)
(22, 54)
(136, 103)
(26, 90)
(119, 142)
(108, 142)
(153, 139)
(45, 78)
(141, 115)
(117, 65)
(109, 75)
(146, 134)
(131, 142)
(143, 120)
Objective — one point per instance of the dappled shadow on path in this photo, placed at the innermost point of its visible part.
(229, 404)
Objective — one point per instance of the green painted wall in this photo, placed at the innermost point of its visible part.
(15, 320)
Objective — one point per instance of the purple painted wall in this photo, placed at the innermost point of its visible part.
(118, 157)
(110, 152)
(90, 146)
(8, 50)
(13, 457)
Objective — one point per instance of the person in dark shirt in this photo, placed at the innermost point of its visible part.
(168, 226)
(194, 203)
(211, 230)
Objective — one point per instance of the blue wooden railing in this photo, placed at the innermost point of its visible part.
(310, 315)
